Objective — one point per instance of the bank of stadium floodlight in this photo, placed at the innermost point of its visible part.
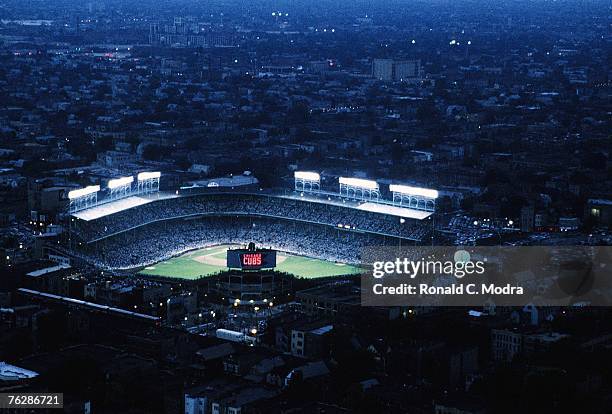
(148, 175)
(120, 182)
(307, 181)
(83, 192)
(414, 197)
(148, 182)
(120, 187)
(83, 198)
(359, 189)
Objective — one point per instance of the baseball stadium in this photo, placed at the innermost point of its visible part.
(212, 260)
(189, 234)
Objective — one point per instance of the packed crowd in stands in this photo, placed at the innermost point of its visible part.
(253, 205)
(162, 240)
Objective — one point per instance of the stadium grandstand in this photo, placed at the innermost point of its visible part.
(146, 227)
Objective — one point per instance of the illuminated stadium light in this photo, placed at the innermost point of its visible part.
(83, 198)
(414, 197)
(148, 175)
(359, 183)
(120, 182)
(148, 182)
(414, 191)
(307, 175)
(359, 189)
(83, 192)
(120, 187)
(307, 181)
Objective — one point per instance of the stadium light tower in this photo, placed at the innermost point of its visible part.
(359, 189)
(148, 182)
(83, 198)
(414, 197)
(120, 187)
(306, 181)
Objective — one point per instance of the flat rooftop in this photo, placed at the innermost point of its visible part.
(46, 270)
(600, 201)
(10, 372)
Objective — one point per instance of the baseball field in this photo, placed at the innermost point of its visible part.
(210, 260)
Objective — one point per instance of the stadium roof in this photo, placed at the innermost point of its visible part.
(395, 211)
(378, 207)
(113, 207)
(233, 181)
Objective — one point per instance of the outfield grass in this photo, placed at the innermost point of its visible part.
(207, 261)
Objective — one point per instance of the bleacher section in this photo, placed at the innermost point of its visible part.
(336, 230)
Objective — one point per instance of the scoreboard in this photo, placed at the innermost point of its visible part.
(251, 258)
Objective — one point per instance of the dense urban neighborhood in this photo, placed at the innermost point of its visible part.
(187, 189)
